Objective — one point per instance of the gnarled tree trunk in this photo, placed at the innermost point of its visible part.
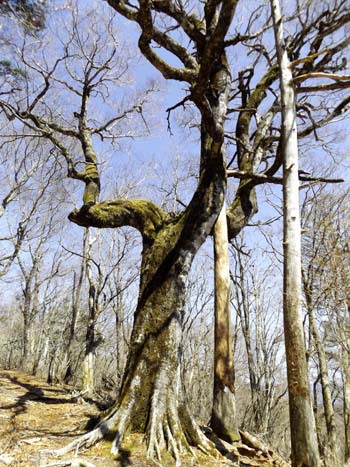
(151, 399)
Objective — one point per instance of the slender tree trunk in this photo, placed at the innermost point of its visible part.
(322, 359)
(51, 374)
(303, 432)
(223, 418)
(316, 416)
(76, 293)
(26, 337)
(26, 353)
(244, 317)
(93, 312)
(88, 380)
(118, 308)
(346, 409)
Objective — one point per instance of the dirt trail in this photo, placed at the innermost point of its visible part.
(36, 417)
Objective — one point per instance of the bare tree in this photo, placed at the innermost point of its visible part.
(78, 278)
(253, 299)
(201, 40)
(19, 175)
(36, 243)
(302, 423)
(100, 297)
(316, 225)
(325, 272)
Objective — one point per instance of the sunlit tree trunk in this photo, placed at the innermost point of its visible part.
(303, 432)
(223, 418)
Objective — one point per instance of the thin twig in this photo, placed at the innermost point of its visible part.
(170, 109)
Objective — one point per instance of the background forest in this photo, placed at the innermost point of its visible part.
(73, 83)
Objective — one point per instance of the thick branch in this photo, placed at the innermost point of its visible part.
(214, 46)
(143, 17)
(319, 74)
(324, 87)
(242, 209)
(245, 117)
(191, 25)
(143, 215)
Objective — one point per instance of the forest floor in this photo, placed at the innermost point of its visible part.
(36, 418)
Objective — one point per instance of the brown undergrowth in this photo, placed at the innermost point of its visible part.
(36, 418)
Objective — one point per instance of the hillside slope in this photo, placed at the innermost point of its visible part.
(36, 418)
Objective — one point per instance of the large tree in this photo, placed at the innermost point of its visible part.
(204, 39)
(302, 423)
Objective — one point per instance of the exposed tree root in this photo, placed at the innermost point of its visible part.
(174, 430)
(169, 428)
(167, 424)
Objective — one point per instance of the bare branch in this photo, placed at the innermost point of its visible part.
(318, 74)
(262, 178)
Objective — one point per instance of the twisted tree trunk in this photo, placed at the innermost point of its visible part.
(151, 399)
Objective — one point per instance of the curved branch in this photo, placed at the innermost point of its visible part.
(214, 46)
(143, 17)
(141, 214)
(149, 33)
(321, 74)
(191, 24)
(175, 48)
(245, 117)
(242, 209)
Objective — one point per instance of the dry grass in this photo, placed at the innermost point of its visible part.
(36, 418)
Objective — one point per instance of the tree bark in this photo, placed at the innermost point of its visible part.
(223, 417)
(303, 432)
